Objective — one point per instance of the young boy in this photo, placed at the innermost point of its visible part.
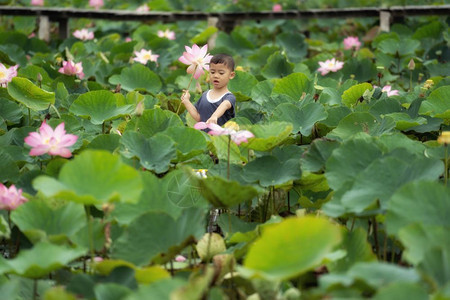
(217, 104)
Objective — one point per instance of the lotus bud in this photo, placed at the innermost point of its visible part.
(428, 84)
(39, 77)
(444, 138)
(239, 68)
(411, 64)
(140, 107)
(209, 245)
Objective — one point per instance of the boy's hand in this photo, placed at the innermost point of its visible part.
(186, 96)
(212, 119)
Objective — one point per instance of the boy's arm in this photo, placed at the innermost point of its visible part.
(223, 107)
(185, 99)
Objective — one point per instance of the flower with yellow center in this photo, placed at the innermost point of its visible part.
(444, 138)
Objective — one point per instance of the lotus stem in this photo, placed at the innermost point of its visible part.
(189, 85)
(375, 237)
(90, 233)
(228, 158)
(446, 165)
(35, 289)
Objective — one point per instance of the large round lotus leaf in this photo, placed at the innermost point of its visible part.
(404, 122)
(268, 136)
(42, 259)
(154, 153)
(361, 122)
(418, 239)
(36, 219)
(262, 91)
(32, 72)
(137, 77)
(437, 104)
(155, 120)
(302, 119)
(93, 177)
(108, 142)
(293, 44)
(277, 66)
(9, 110)
(221, 192)
(181, 191)
(422, 202)
(293, 85)
(391, 173)
(330, 96)
(292, 247)
(221, 149)
(162, 289)
(351, 96)
(189, 142)
(243, 83)
(99, 106)
(10, 170)
(361, 69)
(155, 233)
(436, 264)
(25, 92)
(335, 115)
(318, 153)
(276, 169)
(401, 290)
(358, 250)
(395, 46)
(399, 140)
(351, 158)
(111, 291)
(374, 274)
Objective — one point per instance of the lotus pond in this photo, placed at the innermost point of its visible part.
(108, 191)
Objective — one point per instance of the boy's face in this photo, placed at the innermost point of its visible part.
(220, 74)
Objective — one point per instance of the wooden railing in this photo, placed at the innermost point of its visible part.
(223, 20)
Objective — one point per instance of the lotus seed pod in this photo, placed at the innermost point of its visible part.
(209, 245)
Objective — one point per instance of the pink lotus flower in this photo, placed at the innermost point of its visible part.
(144, 56)
(83, 34)
(389, 91)
(7, 74)
(70, 68)
(180, 258)
(143, 8)
(197, 58)
(168, 34)
(37, 2)
(11, 198)
(96, 3)
(352, 42)
(53, 142)
(128, 39)
(277, 7)
(330, 65)
(230, 128)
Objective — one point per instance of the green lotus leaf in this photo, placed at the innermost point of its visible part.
(202, 37)
(190, 142)
(318, 153)
(437, 104)
(404, 122)
(293, 44)
(93, 177)
(428, 31)
(156, 233)
(268, 136)
(276, 169)
(262, 91)
(358, 122)
(260, 56)
(162, 289)
(361, 69)
(335, 115)
(10, 170)
(351, 96)
(373, 274)
(25, 92)
(436, 264)
(137, 77)
(32, 72)
(154, 153)
(402, 48)
(5, 231)
(243, 84)
(401, 290)
(277, 66)
(111, 291)
(108, 142)
(35, 219)
(410, 205)
(155, 120)
(221, 149)
(221, 192)
(293, 85)
(280, 253)
(303, 119)
(418, 238)
(330, 96)
(10, 111)
(99, 106)
(42, 259)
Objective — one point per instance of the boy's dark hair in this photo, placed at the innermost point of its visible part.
(222, 58)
